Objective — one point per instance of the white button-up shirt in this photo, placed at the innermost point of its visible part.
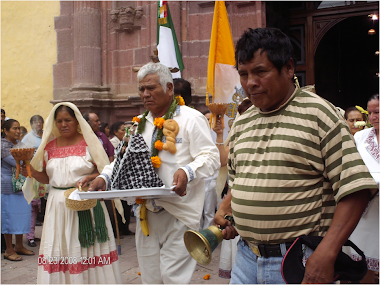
(196, 154)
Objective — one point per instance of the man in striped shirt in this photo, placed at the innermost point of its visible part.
(293, 165)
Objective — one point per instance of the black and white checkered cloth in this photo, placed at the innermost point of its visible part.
(134, 169)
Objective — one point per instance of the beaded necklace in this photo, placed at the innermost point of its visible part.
(158, 122)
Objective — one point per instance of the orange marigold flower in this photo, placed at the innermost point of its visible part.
(159, 122)
(136, 120)
(158, 145)
(180, 100)
(206, 277)
(138, 273)
(156, 161)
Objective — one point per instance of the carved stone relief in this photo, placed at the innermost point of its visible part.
(125, 18)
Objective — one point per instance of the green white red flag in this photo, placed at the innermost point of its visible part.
(167, 44)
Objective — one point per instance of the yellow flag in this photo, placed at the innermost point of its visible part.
(223, 82)
(221, 45)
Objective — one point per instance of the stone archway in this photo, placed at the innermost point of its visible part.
(346, 63)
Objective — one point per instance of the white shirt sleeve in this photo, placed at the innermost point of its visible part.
(206, 159)
(106, 173)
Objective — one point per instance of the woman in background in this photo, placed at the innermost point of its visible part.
(117, 133)
(105, 129)
(15, 211)
(353, 115)
(366, 233)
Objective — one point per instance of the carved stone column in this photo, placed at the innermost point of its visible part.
(87, 65)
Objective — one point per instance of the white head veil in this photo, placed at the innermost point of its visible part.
(50, 129)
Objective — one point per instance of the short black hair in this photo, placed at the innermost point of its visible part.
(2, 111)
(115, 127)
(86, 116)
(277, 45)
(182, 87)
(103, 127)
(36, 118)
(23, 130)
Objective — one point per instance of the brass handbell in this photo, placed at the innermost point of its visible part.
(201, 244)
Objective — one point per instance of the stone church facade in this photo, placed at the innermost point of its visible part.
(100, 45)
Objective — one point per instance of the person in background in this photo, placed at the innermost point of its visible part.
(182, 88)
(105, 129)
(211, 199)
(2, 135)
(15, 210)
(23, 132)
(2, 115)
(117, 133)
(229, 247)
(93, 120)
(293, 168)
(366, 233)
(129, 126)
(77, 239)
(353, 115)
(33, 139)
(3, 119)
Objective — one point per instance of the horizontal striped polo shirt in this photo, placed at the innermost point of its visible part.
(289, 167)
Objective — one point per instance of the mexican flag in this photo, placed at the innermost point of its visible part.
(223, 81)
(167, 45)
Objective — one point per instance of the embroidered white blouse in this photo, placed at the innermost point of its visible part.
(65, 166)
(368, 147)
(196, 154)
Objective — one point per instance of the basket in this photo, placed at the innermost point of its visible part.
(22, 153)
(77, 205)
(218, 110)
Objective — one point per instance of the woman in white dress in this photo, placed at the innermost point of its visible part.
(76, 247)
(366, 233)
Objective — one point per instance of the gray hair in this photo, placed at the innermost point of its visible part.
(163, 72)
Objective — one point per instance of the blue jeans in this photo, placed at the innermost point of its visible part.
(250, 269)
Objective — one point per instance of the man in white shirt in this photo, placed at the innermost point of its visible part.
(162, 255)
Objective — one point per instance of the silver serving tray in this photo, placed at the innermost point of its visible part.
(144, 193)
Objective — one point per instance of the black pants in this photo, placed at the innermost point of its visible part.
(41, 214)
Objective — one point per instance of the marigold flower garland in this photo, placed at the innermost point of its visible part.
(158, 122)
(180, 100)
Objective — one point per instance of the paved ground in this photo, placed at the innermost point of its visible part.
(25, 271)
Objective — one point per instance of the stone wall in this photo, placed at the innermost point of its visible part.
(100, 43)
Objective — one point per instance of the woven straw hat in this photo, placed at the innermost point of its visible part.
(79, 205)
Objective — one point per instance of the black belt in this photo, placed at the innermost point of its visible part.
(267, 250)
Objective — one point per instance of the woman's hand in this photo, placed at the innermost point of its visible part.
(24, 172)
(83, 182)
(87, 179)
(41, 177)
(218, 127)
